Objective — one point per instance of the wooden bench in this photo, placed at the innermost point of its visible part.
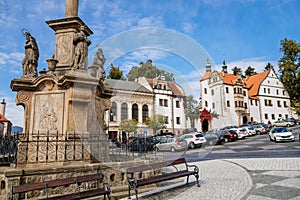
(104, 190)
(136, 183)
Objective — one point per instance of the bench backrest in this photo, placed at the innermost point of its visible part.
(155, 166)
(56, 183)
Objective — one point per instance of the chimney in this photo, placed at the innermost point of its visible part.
(2, 108)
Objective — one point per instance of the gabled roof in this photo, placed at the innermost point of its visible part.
(152, 81)
(127, 85)
(206, 76)
(3, 119)
(254, 83)
(176, 89)
(228, 79)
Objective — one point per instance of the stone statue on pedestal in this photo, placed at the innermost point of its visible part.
(97, 68)
(30, 62)
(81, 43)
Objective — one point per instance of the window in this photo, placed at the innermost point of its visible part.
(286, 116)
(270, 103)
(277, 92)
(266, 102)
(212, 92)
(278, 104)
(244, 93)
(280, 115)
(251, 102)
(266, 116)
(177, 104)
(160, 102)
(285, 104)
(273, 116)
(177, 120)
(236, 103)
(234, 90)
(135, 112)
(166, 102)
(264, 90)
(113, 111)
(213, 105)
(144, 113)
(246, 105)
(228, 103)
(206, 104)
(255, 102)
(227, 90)
(205, 91)
(268, 90)
(283, 93)
(124, 111)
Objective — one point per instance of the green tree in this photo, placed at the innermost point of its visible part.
(147, 70)
(115, 73)
(268, 67)
(250, 71)
(237, 71)
(192, 109)
(128, 125)
(156, 122)
(289, 69)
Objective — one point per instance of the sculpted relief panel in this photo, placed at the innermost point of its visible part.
(49, 112)
(66, 49)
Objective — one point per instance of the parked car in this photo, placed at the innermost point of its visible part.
(229, 127)
(259, 129)
(250, 131)
(283, 123)
(141, 144)
(242, 133)
(214, 137)
(278, 134)
(229, 135)
(293, 120)
(194, 139)
(171, 144)
(190, 130)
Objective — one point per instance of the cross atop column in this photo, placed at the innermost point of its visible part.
(71, 8)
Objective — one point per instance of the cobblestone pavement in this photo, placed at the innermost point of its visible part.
(245, 179)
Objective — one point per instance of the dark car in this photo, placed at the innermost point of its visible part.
(141, 144)
(229, 135)
(214, 137)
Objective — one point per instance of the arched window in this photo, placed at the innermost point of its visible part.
(124, 111)
(135, 112)
(113, 111)
(145, 113)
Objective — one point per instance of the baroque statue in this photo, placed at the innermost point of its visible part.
(99, 61)
(30, 62)
(81, 43)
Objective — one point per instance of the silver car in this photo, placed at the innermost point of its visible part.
(171, 144)
(279, 134)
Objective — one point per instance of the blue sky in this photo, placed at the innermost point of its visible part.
(177, 35)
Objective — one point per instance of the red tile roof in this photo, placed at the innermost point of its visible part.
(3, 119)
(254, 82)
(228, 79)
(176, 89)
(206, 76)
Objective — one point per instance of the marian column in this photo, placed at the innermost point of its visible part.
(64, 106)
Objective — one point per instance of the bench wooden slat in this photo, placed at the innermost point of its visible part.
(155, 166)
(84, 194)
(136, 183)
(28, 187)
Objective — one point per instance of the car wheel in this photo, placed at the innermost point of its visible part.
(211, 143)
(275, 140)
(156, 149)
(173, 149)
(258, 133)
(287, 125)
(226, 140)
(192, 145)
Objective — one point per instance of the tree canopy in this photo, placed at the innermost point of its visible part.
(237, 71)
(128, 125)
(192, 109)
(147, 70)
(250, 71)
(289, 69)
(115, 73)
(156, 122)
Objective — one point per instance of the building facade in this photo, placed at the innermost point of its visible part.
(142, 99)
(236, 100)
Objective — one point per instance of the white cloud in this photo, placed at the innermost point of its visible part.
(11, 62)
(188, 27)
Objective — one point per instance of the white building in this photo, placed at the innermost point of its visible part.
(169, 101)
(5, 124)
(260, 98)
(145, 98)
